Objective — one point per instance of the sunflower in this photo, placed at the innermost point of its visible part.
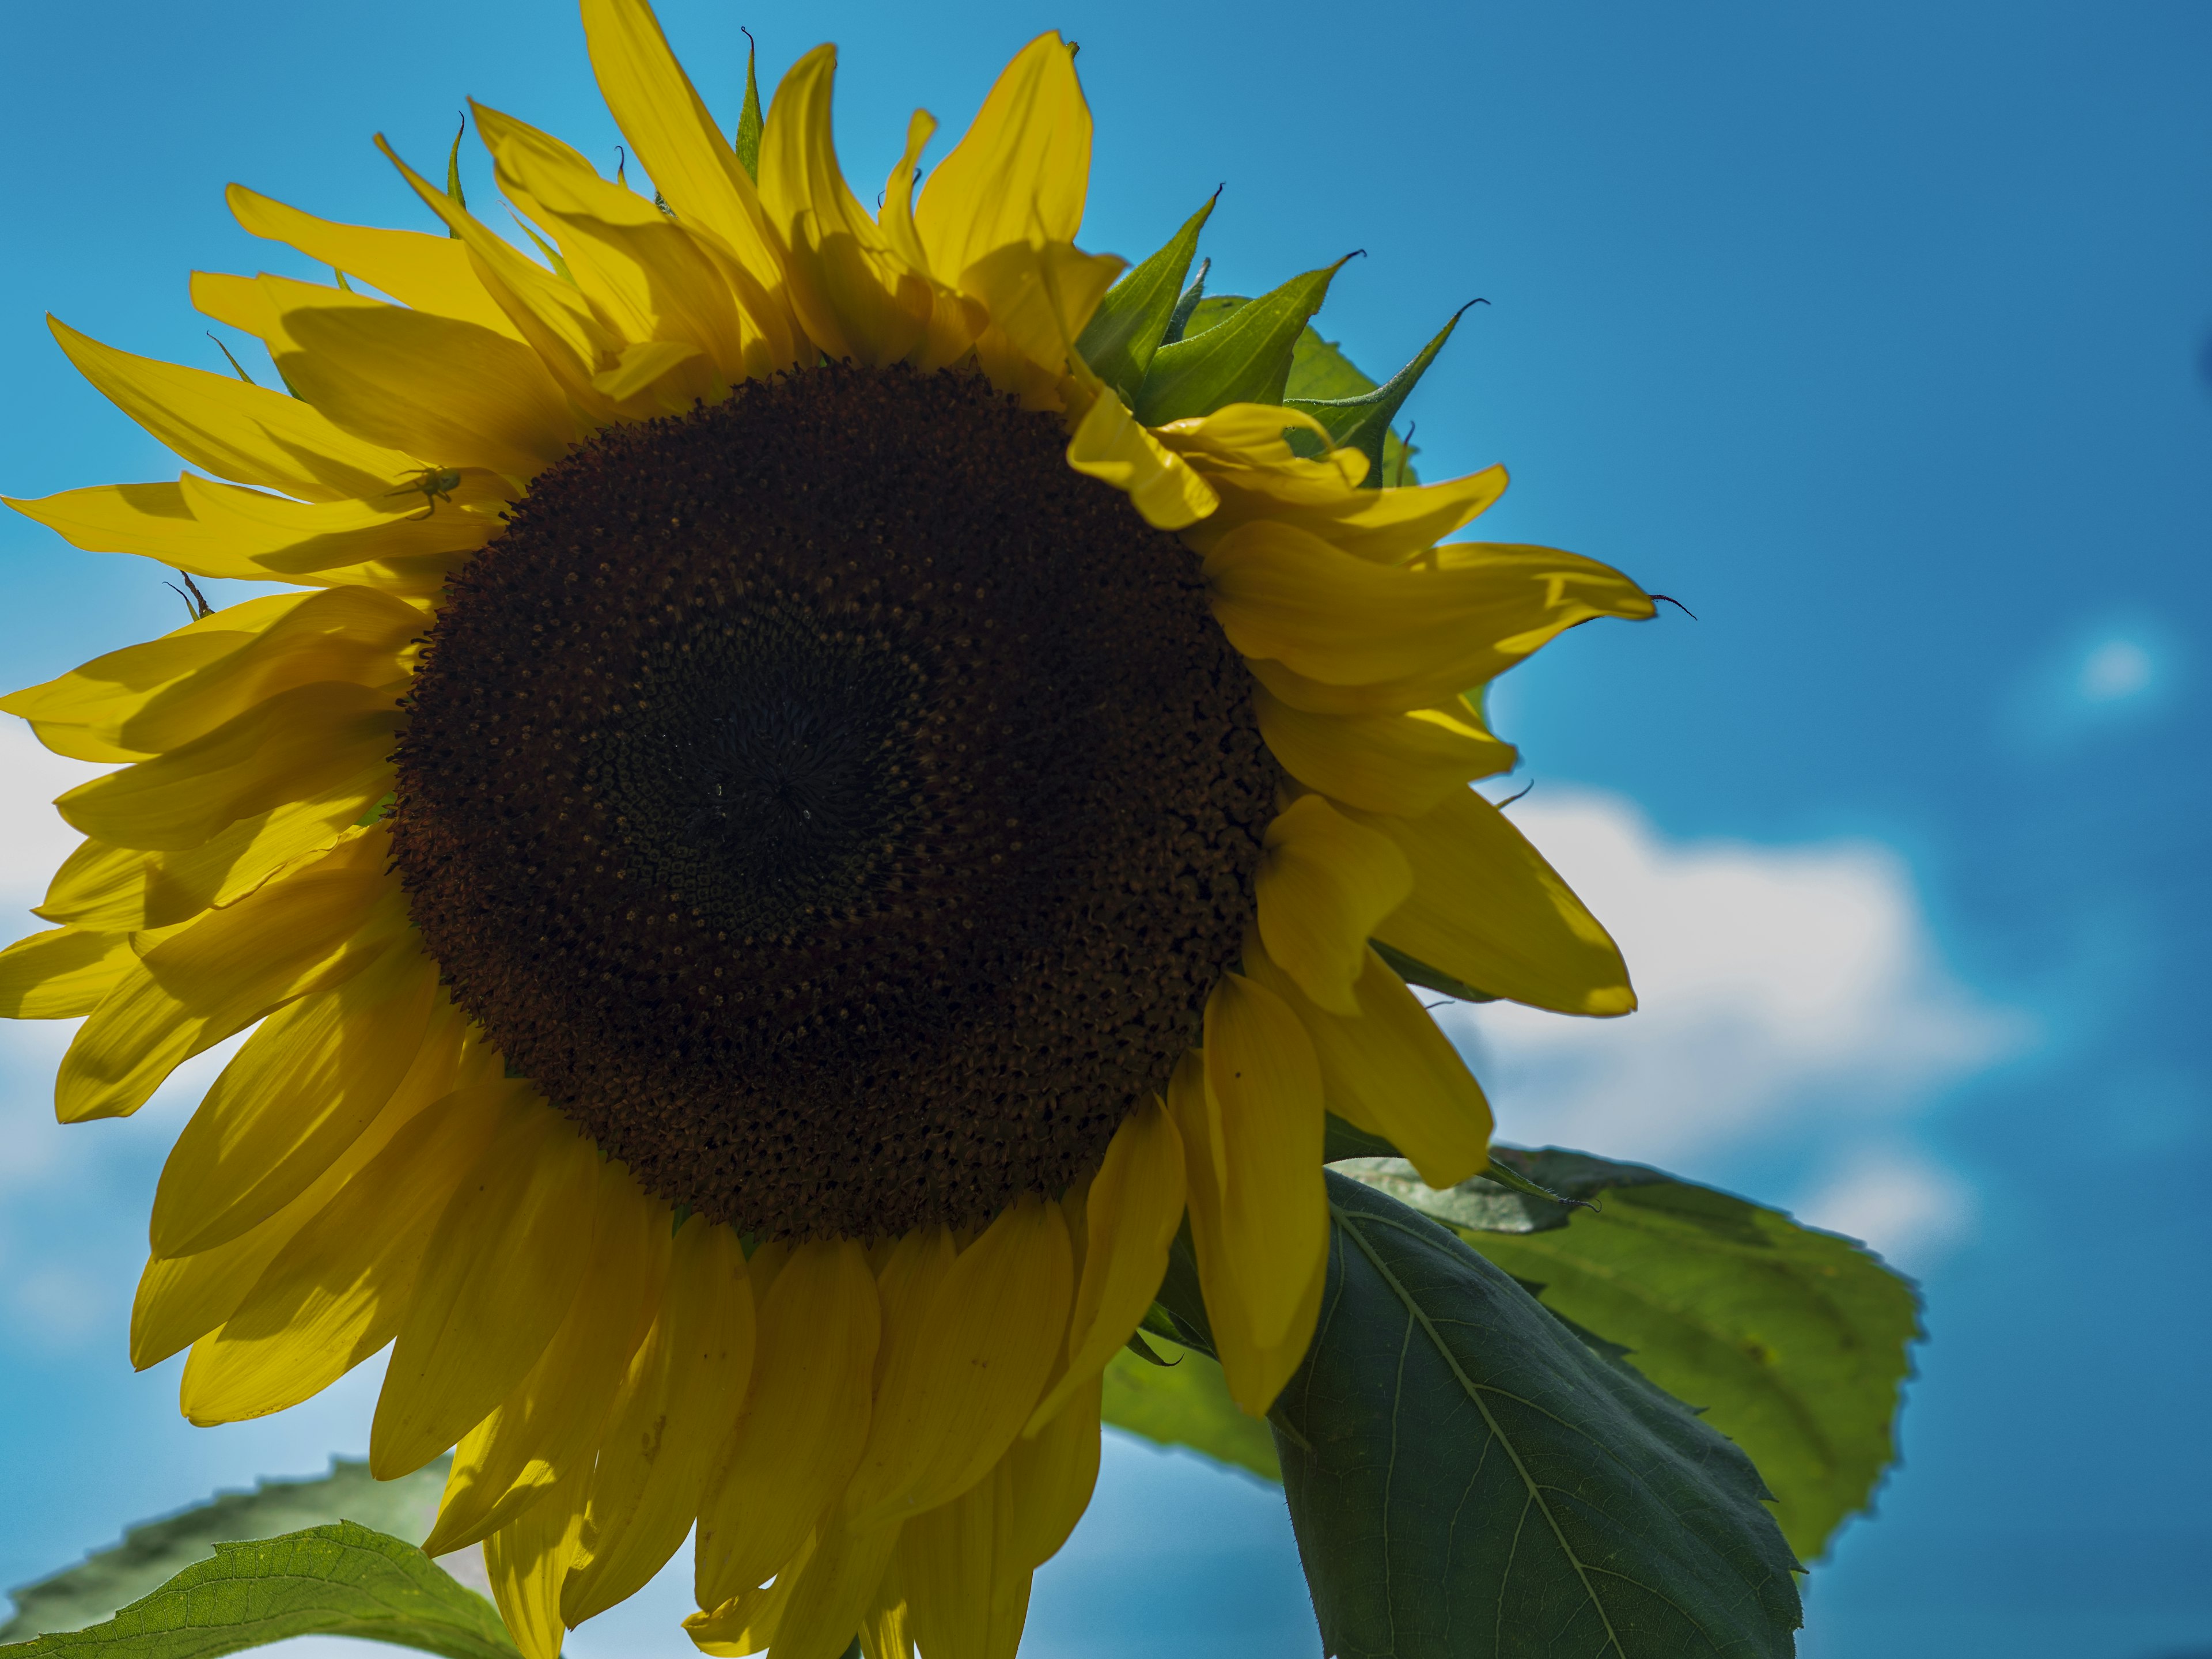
(825, 779)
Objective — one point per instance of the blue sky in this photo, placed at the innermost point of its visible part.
(1881, 336)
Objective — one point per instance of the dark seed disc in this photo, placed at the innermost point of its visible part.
(836, 804)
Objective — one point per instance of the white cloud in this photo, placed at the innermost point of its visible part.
(1911, 1207)
(1790, 995)
(34, 840)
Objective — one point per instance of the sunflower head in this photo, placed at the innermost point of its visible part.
(827, 781)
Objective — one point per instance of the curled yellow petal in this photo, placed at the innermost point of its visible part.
(1110, 444)
(1487, 909)
(1325, 882)
(528, 1561)
(1398, 763)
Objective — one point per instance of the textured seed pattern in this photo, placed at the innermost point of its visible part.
(834, 804)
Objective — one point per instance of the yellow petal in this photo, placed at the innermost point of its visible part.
(553, 317)
(1110, 444)
(247, 434)
(100, 696)
(99, 888)
(530, 1559)
(833, 1590)
(995, 1327)
(852, 294)
(685, 1389)
(1039, 298)
(1325, 882)
(896, 214)
(1263, 1081)
(353, 635)
(1255, 1371)
(1398, 764)
(1384, 526)
(664, 119)
(1390, 1070)
(431, 273)
(155, 521)
(644, 272)
(287, 539)
(550, 1423)
(1054, 1472)
(254, 851)
(650, 367)
(1487, 909)
(295, 744)
(961, 1567)
(336, 1292)
(449, 393)
(181, 1298)
(1021, 172)
(1131, 1214)
(316, 929)
(306, 1084)
(805, 1422)
(1458, 617)
(62, 973)
(497, 1280)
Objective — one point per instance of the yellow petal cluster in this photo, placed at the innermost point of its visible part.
(890, 1435)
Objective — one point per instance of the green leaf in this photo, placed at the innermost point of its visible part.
(1341, 1140)
(151, 1554)
(748, 141)
(1186, 1403)
(1243, 358)
(1414, 972)
(1122, 335)
(1794, 1342)
(1467, 1477)
(1362, 421)
(337, 1580)
(1320, 370)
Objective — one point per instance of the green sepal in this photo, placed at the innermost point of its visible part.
(1363, 422)
(1414, 972)
(336, 1580)
(1243, 359)
(748, 141)
(454, 176)
(1187, 306)
(153, 1554)
(1469, 1479)
(1130, 321)
(1144, 1351)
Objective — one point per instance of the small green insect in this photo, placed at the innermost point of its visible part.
(435, 484)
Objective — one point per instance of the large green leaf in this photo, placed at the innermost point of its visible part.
(1186, 1403)
(1120, 340)
(151, 1554)
(1467, 1477)
(1244, 357)
(1794, 1342)
(337, 1580)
